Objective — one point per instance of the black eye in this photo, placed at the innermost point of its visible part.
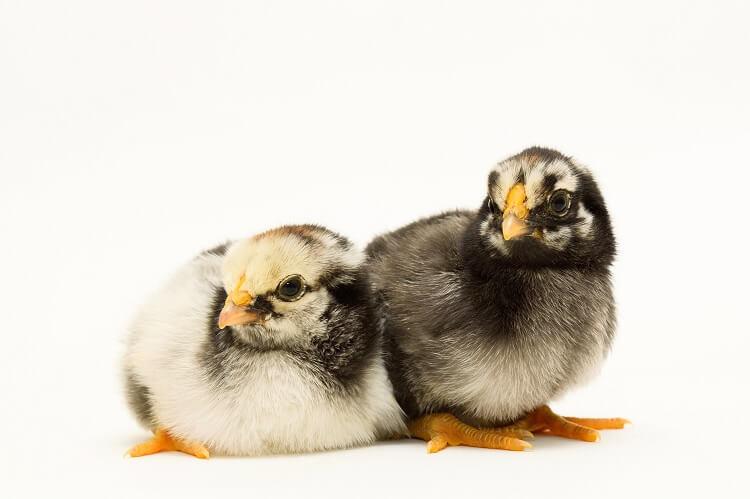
(559, 203)
(492, 206)
(291, 288)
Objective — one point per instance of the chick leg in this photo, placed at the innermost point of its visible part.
(442, 430)
(163, 441)
(544, 421)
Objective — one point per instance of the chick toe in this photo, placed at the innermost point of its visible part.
(600, 423)
(442, 430)
(512, 431)
(162, 441)
(544, 421)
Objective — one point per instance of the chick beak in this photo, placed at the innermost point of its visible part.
(233, 315)
(235, 311)
(515, 213)
(513, 227)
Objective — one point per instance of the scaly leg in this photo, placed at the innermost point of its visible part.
(442, 430)
(163, 441)
(544, 421)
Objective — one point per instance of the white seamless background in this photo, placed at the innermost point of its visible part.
(135, 134)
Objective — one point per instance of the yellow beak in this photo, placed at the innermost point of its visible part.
(515, 213)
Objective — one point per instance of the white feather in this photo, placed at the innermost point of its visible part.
(273, 404)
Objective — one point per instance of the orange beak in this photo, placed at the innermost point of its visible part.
(515, 213)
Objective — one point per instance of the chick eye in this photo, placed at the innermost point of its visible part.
(559, 203)
(492, 206)
(291, 288)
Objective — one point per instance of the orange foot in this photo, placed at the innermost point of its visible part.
(163, 441)
(442, 430)
(546, 422)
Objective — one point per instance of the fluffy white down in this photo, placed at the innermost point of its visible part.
(276, 407)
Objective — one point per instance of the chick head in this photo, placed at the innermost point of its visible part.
(543, 208)
(277, 282)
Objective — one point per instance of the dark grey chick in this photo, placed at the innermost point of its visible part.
(490, 314)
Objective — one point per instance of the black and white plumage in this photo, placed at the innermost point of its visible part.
(296, 364)
(492, 313)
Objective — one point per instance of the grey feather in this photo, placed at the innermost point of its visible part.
(483, 334)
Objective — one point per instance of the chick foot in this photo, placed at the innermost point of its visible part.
(163, 441)
(442, 430)
(546, 422)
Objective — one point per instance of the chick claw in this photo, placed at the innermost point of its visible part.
(441, 430)
(163, 441)
(546, 422)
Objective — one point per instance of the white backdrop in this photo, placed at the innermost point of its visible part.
(134, 134)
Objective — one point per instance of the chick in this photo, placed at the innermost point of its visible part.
(490, 314)
(266, 345)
